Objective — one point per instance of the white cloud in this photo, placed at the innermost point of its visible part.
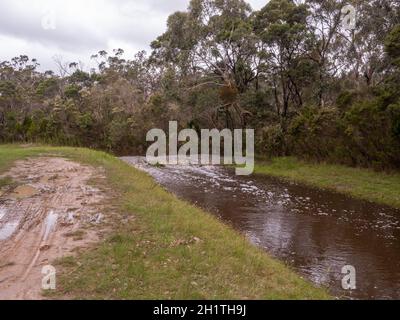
(83, 27)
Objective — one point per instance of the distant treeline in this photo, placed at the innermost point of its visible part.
(309, 85)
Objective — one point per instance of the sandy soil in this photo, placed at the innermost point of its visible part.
(51, 212)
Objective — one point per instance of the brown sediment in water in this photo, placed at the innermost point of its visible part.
(22, 192)
(316, 232)
(53, 200)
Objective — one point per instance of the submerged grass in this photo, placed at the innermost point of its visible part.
(360, 183)
(163, 248)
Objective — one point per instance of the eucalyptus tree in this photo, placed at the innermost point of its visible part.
(282, 27)
(212, 44)
(213, 35)
(330, 45)
(392, 45)
(375, 18)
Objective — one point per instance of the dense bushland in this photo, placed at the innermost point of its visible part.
(309, 86)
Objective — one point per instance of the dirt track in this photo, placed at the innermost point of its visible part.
(49, 213)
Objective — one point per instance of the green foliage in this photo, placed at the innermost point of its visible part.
(288, 70)
(394, 114)
(392, 45)
(47, 87)
(282, 21)
(271, 141)
(80, 77)
(346, 99)
(72, 91)
(314, 132)
(7, 89)
(367, 134)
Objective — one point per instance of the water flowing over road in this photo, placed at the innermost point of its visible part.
(315, 232)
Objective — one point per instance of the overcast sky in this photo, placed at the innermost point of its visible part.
(76, 29)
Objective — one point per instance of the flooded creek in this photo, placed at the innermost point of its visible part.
(315, 232)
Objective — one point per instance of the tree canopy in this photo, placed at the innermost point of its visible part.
(292, 70)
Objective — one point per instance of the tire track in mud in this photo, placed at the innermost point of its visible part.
(52, 213)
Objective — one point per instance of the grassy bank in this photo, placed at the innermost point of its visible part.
(161, 247)
(360, 183)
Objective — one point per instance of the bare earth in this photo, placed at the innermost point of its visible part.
(50, 213)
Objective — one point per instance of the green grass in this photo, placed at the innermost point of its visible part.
(4, 182)
(360, 183)
(163, 248)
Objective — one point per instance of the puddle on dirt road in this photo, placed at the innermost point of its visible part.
(2, 213)
(7, 230)
(53, 202)
(50, 223)
(23, 192)
(316, 232)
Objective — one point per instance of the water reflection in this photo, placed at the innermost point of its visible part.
(316, 232)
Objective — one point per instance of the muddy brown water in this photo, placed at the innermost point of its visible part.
(316, 232)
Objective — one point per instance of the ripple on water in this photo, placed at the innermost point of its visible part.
(316, 232)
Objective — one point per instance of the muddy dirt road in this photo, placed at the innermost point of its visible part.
(49, 212)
